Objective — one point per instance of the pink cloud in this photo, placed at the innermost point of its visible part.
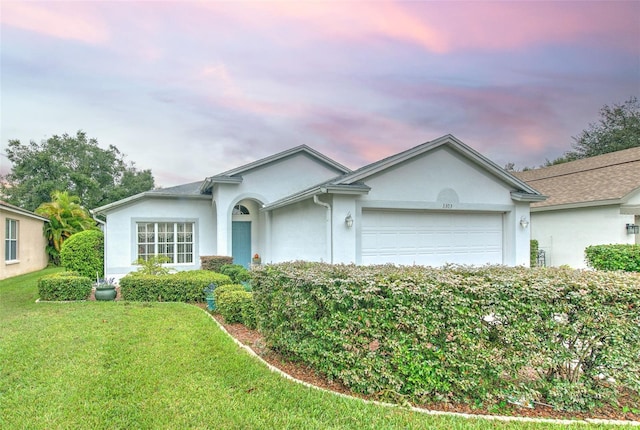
(58, 19)
(442, 27)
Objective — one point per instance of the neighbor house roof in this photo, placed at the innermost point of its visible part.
(352, 182)
(18, 210)
(594, 181)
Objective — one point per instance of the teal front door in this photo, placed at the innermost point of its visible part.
(241, 242)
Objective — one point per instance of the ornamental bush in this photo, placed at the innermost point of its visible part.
(483, 335)
(83, 252)
(214, 262)
(237, 272)
(64, 286)
(231, 305)
(225, 289)
(614, 257)
(187, 286)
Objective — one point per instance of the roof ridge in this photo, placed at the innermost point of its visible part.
(574, 172)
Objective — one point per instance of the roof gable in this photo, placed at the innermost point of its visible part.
(449, 141)
(235, 175)
(608, 178)
(353, 182)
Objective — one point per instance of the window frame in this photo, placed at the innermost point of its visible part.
(160, 240)
(11, 237)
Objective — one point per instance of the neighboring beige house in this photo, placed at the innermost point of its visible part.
(23, 247)
(593, 201)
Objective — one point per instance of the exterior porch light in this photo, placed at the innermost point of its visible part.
(524, 223)
(633, 229)
(348, 220)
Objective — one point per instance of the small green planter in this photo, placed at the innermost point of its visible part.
(211, 303)
(106, 293)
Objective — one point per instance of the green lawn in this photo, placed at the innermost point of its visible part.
(129, 365)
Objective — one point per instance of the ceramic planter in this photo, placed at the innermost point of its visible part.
(106, 293)
(211, 303)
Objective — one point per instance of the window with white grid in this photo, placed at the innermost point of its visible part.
(173, 240)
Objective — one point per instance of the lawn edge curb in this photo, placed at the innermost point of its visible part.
(416, 409)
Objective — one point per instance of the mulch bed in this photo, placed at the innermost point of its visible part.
(254, 340)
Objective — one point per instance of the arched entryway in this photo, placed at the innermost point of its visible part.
(245, 231)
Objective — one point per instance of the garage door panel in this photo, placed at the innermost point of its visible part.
(429, 238)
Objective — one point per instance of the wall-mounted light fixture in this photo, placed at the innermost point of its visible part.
(524, 223)
(633, 229)
(348, 220)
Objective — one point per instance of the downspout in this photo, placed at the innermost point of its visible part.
(329, 228)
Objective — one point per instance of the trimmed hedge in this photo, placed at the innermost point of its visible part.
(64, 286)
(614, 257)
(83, 252)
(223, 289)
(234, 305)
(187, 286)
(237, 272)
(478, 335)
(214, 262)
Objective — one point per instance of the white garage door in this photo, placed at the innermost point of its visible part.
(431, 238)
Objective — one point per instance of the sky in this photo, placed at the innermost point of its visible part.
(189, 89)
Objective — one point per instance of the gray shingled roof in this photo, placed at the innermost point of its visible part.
(596, 180)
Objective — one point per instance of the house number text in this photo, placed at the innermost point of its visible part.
(447, 206)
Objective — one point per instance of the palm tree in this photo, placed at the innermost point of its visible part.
(66, 217)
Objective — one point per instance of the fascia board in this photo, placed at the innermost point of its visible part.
(578, 205)
(103, 210)
(23, 212)
(525, 197)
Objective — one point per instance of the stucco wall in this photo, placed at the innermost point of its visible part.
(299, 232)
(32, 244)
(120, 231)
(564, 234)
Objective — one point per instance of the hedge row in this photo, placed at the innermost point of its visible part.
(214, 262)
(63, 286)
(187, 286)
(614, 257)
(478, 335)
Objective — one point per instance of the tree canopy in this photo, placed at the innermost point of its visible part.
(72, 163)
(617, 129)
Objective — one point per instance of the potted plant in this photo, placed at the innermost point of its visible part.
(256, 259)
(105, 289)
(208, 295)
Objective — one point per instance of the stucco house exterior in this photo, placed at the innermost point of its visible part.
(23, 241)
(439, 202)
(592, 201)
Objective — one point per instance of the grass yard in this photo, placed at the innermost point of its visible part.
(123, 365)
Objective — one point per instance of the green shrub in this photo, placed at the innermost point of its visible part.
(238, 273)
(153, 265)
(214, 262)
(187, 286)
(231, 305)
(249, 312)
(533, 253)
(222, 289)
(459, 334)
(64, 286)
(614, 257)
(83, 252)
